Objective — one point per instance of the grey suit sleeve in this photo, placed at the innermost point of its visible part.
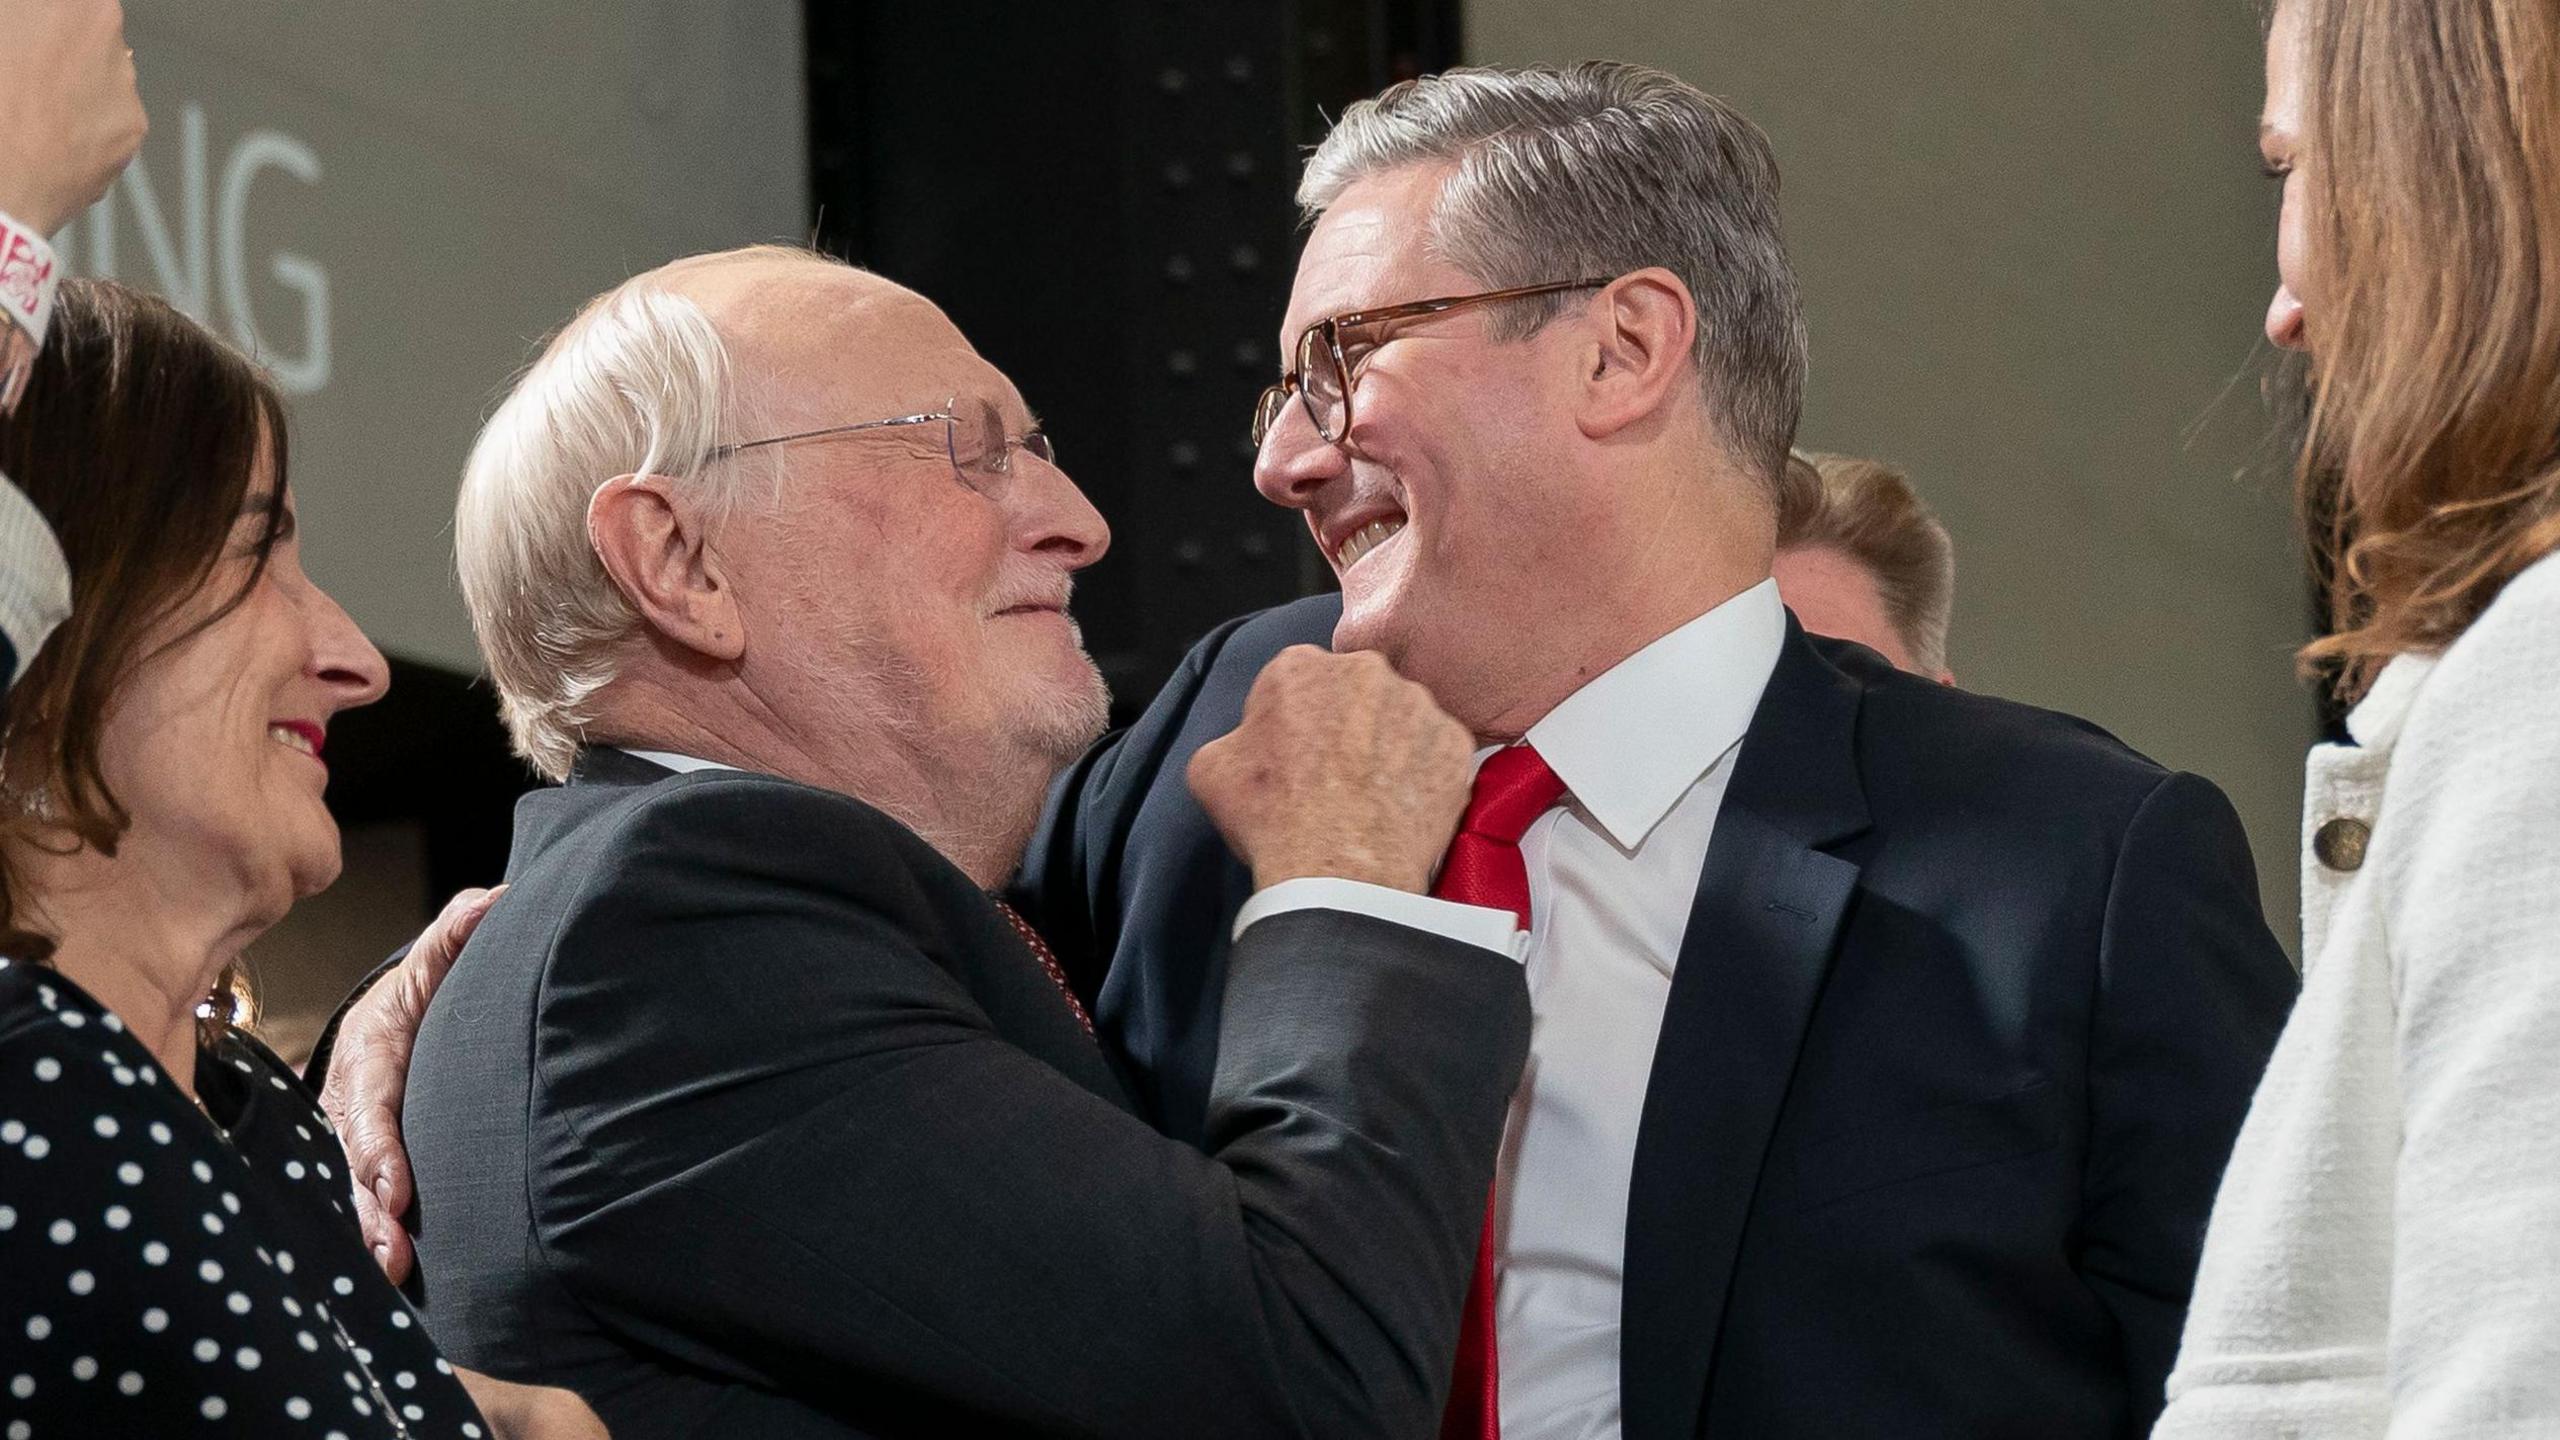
(2192, 991)
(792, 1150)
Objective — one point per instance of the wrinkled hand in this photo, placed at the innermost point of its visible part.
(369, 1076)
(1342, 767)
(530, 1412)
(70, 114)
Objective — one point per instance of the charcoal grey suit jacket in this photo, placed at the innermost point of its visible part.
(747, 1115)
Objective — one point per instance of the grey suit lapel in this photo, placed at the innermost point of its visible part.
(1759, 944)
(609, 765)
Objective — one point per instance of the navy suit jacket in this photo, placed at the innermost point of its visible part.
(1971, 1002)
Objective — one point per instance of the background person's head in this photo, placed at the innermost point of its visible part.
(1861, 558)
(2418, 245)
(1528, 489)
(162, 764)
(858, 610)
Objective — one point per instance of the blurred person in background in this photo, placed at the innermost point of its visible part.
(180, 1252)
(2384, 1257)
(1861, 558)
(70, 119)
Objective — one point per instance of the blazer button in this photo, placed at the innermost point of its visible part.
(2340, 843)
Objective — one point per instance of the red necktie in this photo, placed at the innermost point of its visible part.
(1513, 788)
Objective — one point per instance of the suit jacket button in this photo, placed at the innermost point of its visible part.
(2340, 843)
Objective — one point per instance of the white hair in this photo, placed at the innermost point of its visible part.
(1594, 170)
(640, 383)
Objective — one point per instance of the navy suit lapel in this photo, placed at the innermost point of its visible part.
(1759, 944)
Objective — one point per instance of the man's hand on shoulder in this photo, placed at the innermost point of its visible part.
(1341, 768)
(369, 1077)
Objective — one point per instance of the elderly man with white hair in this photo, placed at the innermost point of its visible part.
(753, 1113)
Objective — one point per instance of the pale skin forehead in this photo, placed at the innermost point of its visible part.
(1374, 233)
(827, 344)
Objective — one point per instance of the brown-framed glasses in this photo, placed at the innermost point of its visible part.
(1331, 352)
(973, 436)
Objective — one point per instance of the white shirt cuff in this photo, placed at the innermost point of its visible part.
(1478, 925)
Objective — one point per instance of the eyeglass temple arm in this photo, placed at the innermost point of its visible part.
(926, 418)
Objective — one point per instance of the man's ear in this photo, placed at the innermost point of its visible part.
(657, 556)
(1646, 326)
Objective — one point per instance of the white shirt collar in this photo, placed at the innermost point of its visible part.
(1634, 738)
(670, 760)
(2376, 719)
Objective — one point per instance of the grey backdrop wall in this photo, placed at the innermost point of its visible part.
(2035, 249)
(389, 204)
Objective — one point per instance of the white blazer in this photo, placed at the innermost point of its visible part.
(2384, 1258)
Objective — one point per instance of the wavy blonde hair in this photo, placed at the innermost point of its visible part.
(2430, 474)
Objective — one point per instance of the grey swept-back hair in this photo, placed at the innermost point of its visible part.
(1600, 168)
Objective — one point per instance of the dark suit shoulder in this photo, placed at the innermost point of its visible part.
(1921, 743)
(753, 827)
(1246, 644)
(779, 885)
(1221, 666)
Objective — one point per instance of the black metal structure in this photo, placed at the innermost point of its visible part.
(1100, 194)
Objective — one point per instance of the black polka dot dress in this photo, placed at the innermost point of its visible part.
(163, 1277)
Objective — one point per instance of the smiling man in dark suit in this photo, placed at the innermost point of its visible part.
(1890, 1040)
(752, 1112)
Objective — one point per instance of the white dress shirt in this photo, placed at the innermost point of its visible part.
(1645, 750)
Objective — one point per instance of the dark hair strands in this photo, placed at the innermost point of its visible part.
(139, 439)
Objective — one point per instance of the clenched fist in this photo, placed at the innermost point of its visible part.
(1342, 768)
(70, 115)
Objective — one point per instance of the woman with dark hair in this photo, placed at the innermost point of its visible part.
(2384, 1257)
(174, 1216)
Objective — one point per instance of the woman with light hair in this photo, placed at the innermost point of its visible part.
(2384, 1257)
